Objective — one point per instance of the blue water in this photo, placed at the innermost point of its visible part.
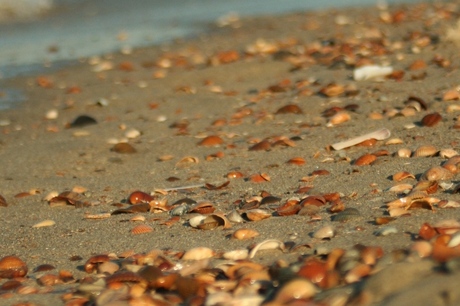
(82, 28)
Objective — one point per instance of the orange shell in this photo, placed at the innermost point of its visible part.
(139, 197)
(365, 160)
(431, 119)
(211, 141)
(12, 266)
(296, 161)
(402, 175)
(141, 229)
(289, 109)
(339, 118)
(245, 233)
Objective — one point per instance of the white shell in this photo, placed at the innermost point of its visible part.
(454, 240)
(196, 221)
(371, 72)
(268, 244)
(385, 231)
(325, 232)
(236, 254)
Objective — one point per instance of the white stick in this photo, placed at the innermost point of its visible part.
(379, 135)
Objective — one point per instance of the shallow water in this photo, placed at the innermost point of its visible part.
(81, 28)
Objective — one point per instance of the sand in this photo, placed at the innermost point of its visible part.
(230, 83)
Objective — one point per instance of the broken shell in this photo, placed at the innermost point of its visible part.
(325, 232)
(371, 72)
(213, 221)
(378, 135)
(365, 160)
(141, 229)
(269, 244)
(431, 119)
(44, 223)
(402, 175)
(404, 152)
(245, 233)
(235, 217)
(187, 161)
(257, 214)
(401, 188)
(425, 151)
(211, 141)
(339, 118)
(12, 267)
(437, 173)
(198, 253)
(239, 254)
(394, 141)
(447, 153)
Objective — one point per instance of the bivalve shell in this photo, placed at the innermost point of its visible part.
(365, 160)
(339, 118)
(12, 266)
(296, 289)
(141, 229)
(245, 233)
(447, 153)
(198, 253)
(257, 214)
(325, 232)
(404, 152)
(431, 119)
(437, 173)
(425, 151)
(402, 175)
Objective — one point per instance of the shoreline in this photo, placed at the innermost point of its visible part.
(272, 82)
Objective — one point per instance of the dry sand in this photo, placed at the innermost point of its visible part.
(240, 75)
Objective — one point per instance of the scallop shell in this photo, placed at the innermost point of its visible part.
(245, 233)
(141, 229)
(425, 151)
(92, 262)
(437, 173)
(12, 267)
(365, 160)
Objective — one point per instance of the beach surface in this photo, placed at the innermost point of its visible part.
(242, 120)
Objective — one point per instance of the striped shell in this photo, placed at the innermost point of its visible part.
(437, 173)
(425, 151)
(141, 229)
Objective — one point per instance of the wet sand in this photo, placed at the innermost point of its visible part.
(232, 83)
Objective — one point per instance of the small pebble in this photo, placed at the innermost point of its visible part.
(51, 114)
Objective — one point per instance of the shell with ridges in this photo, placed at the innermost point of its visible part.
(437, 173)
(425, 151)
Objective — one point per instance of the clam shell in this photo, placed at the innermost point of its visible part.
(401, 188)
(211, 141)
(365, 160)
(198, 253)
(257, 214)
(339, 118)
(12, 267)
(236, 254)
(296, 289)
(431, 119)
(402, 175)
(386, 230)
(447, 153)
(325, 232)
(94, 261)
(235, 217)
(245, 233)
(404, 152)
(394, 141)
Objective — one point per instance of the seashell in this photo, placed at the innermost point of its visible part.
(187, 161)
(264, 145)
(257, 214)
(269, 244)
(332, 90)
(289, 109)
(422, 248)
(437, 173)
(12, 267)
(44, 267)
(288, 210)
(296, 161)
(44, 223)
(245, 233)
(202, 208)
(385, 231)
(325, 232)
(211, 141)
(124, 277)
(259, 178)
(401, 188)
(347, 215)
(137, 218)
(453, 107)
(431, 119)
(198, 253)
(397, 212)
(213, 221)
(141, 229)
(454, 240)
(394, 141)
(357, 273)
(404, 152)
(371, 72)
(132, 133)
(315, 271)
(447, 153)
(92, 263)
(123, 148)
(296, 289)
(408, 112)
(234, 175)
(239, 254)
(425, 151)
(140, 197)
(449, 204)
(27, 290)
(49, 280)
(402, 176)
(427, 186)
(365, 160)
(235, 217)
(107, 267)
(339, 118)
(449, 226)
(378, 135)
(383, 220)
(179, 210)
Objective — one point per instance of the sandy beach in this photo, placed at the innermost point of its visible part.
(242, 122)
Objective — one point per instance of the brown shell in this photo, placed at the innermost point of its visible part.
(257, 214)
(332, 90)
(320, 172)
(211, 141)
(91, 264)
(429, 187)
(49, 280)
(289, 109)
(402, 176)
(425, 151)
(367, 143)
(264, 145)
(141, 229)
(124, 277)
(431, 119)
(123, 148)
(288, 211)
(245, 233)
(3, 201)
(296, 161)
(139, 197)
(12, 266)
(259, 178)
(203, 208)
(365, 160)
